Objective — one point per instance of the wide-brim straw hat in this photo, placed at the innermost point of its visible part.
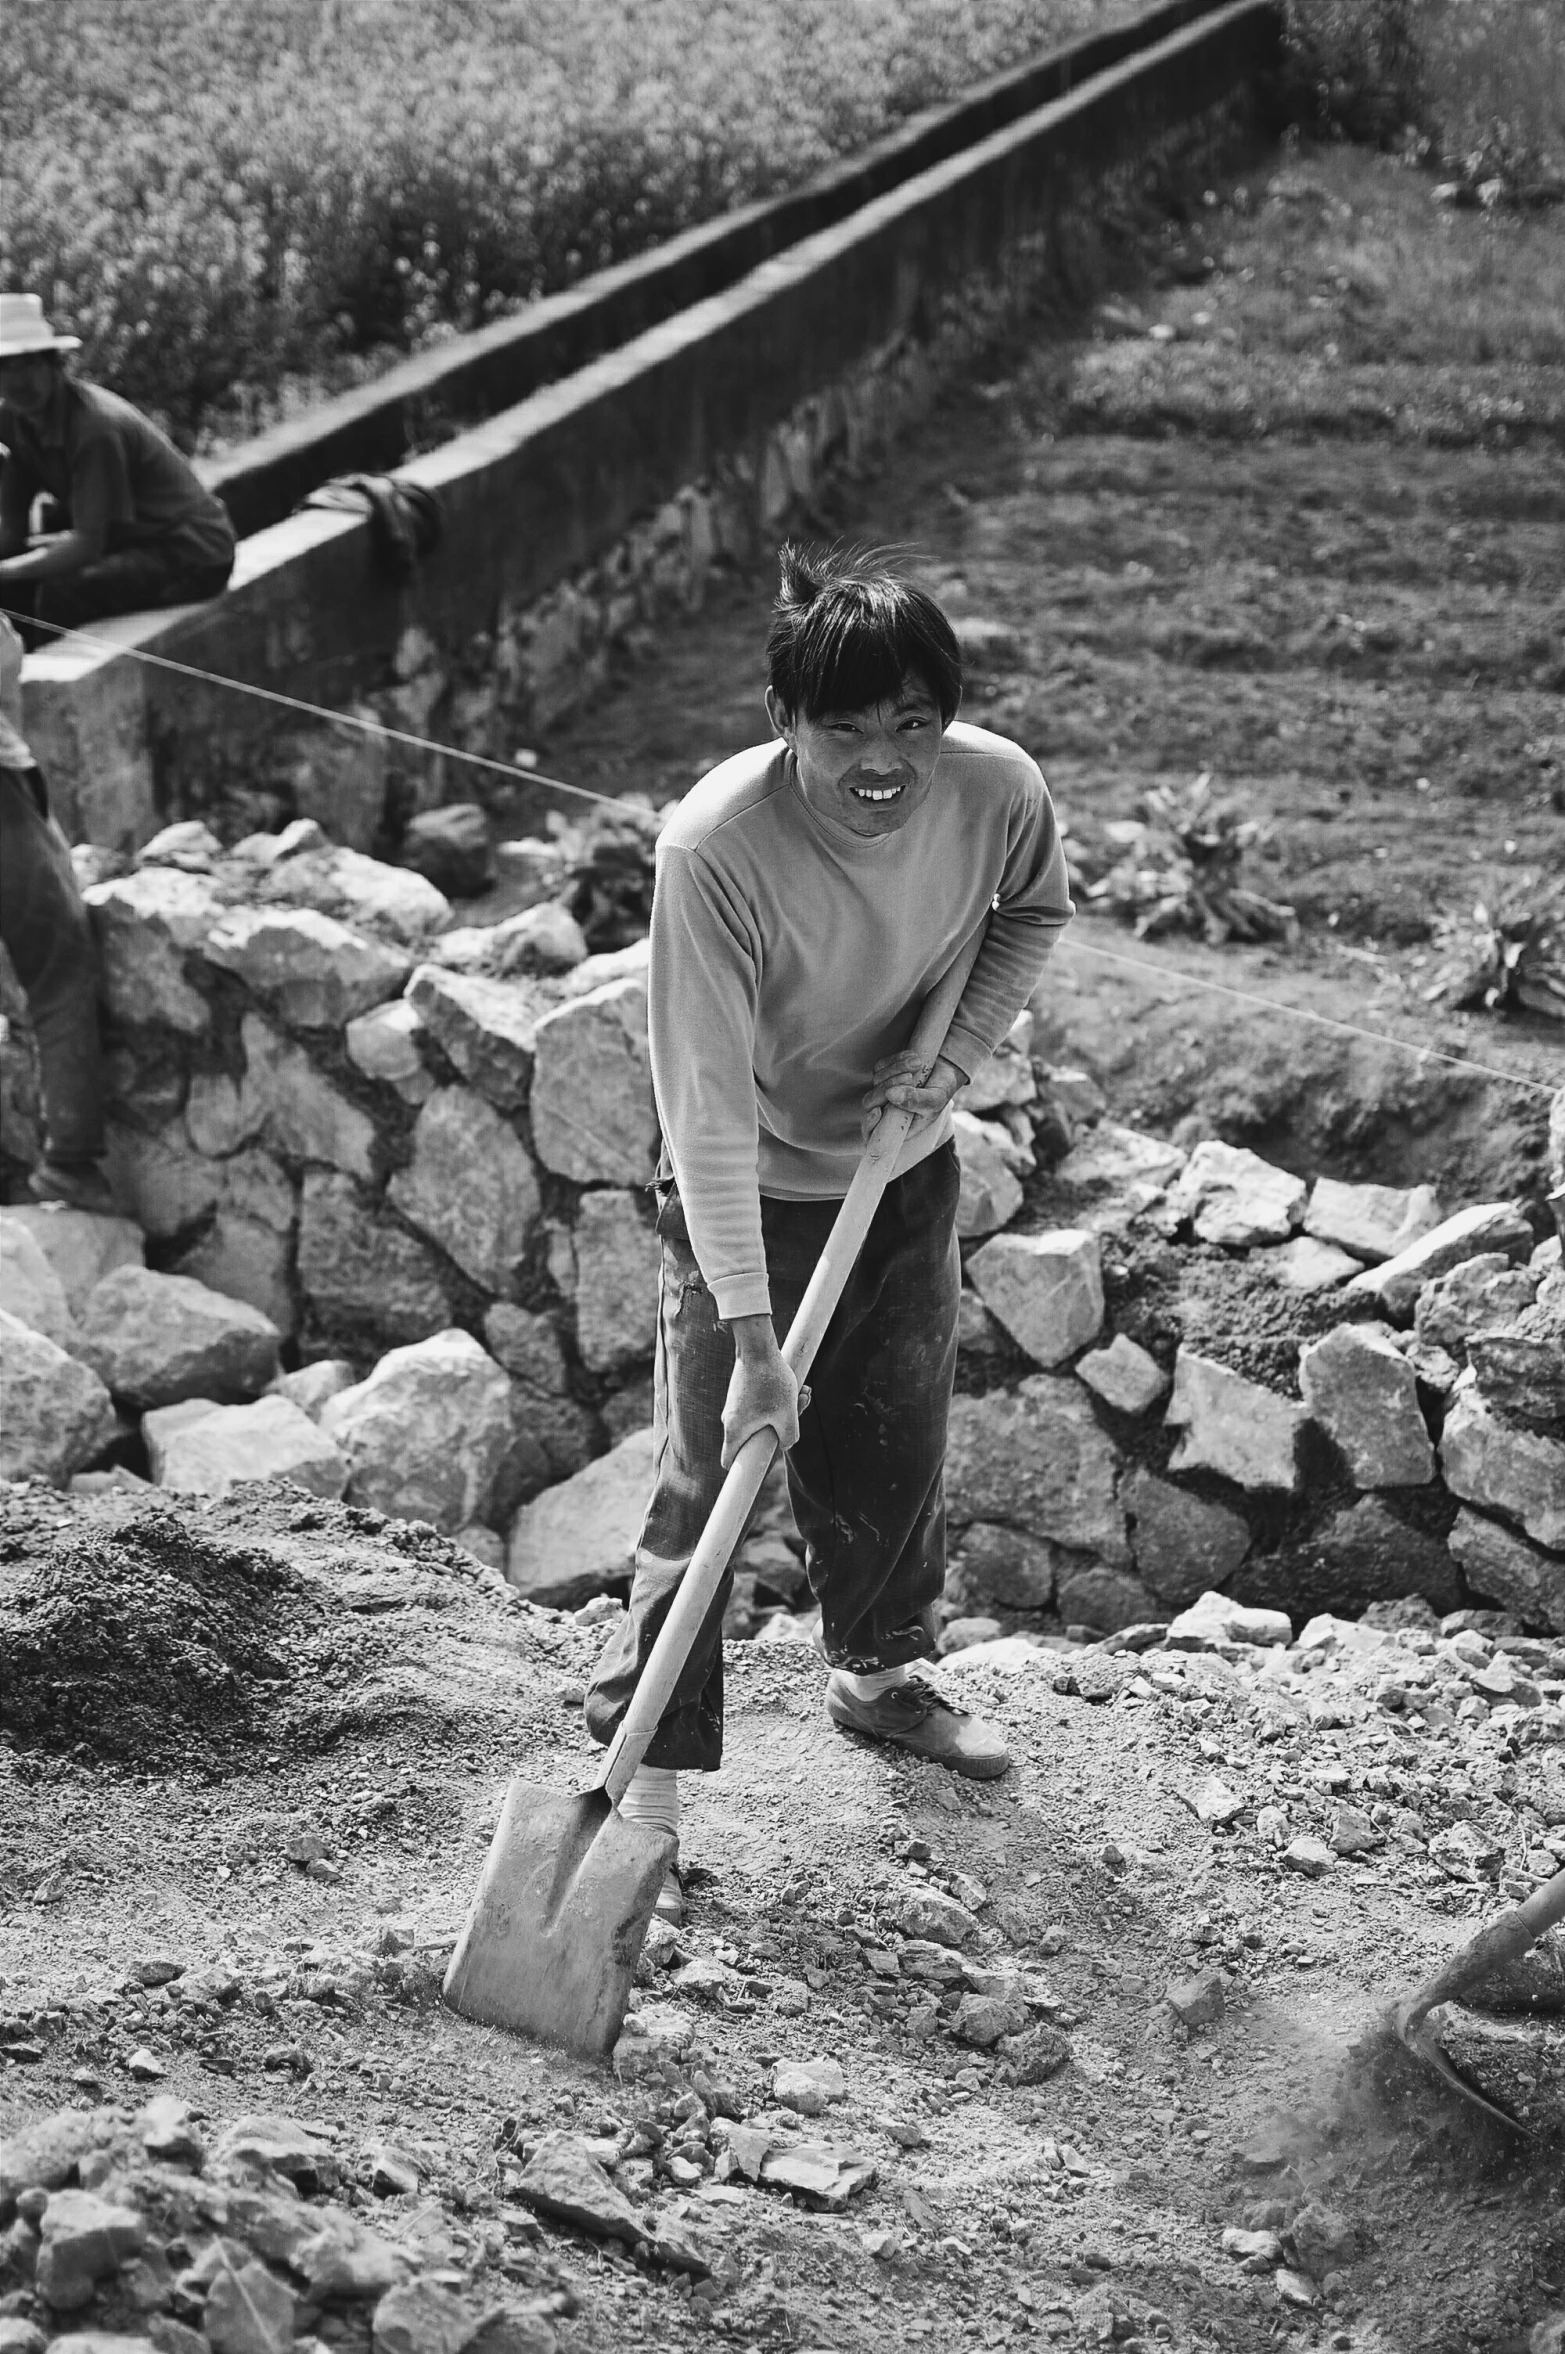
(24, 329)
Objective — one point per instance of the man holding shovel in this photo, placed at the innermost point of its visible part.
(809, 894)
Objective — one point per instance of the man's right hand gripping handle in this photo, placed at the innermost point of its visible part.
(762, 1389)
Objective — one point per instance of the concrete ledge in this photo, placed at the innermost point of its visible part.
(371, 429)
(545, 488)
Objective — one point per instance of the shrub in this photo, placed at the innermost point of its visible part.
(1355, 67)
(221, 194)
(1475, 77)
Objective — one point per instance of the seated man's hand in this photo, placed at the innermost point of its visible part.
(762, 1389)
(903, 1084)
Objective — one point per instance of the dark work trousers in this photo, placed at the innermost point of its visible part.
(49, 940)
(128, 580)
(865, 1479)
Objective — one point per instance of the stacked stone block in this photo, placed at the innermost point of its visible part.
(391, 1180)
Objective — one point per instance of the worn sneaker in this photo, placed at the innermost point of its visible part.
(80, 1185)
(918, 1716)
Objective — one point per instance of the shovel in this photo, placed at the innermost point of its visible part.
(1504, 1940)
(550, 1945)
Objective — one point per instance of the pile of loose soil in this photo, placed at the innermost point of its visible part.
(157, 1634)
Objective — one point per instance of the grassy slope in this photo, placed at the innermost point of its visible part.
(1313, 544)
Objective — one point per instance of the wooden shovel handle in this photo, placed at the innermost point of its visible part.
(736, 1499)
(1505, 1940)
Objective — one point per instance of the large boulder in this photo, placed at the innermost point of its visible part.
(1363, 1553)
(296, 1107)
(361, 1271)
(385, 1044)
(988, 1159)
(1504, 1569)
(218, 1116)
(1521, 1367)
(1106, 1599)
(1484, 1226)
(578, 1538)
(247, 1251)
(316, 971)
(1118, 1158)
(1036, 1458)
(1213, 1620)
(55, 1413)
(451, 848)
(145, 925)
(1183, 1545)
(1008, 1566)
(79, 1245)
(313, 1384)
(30, 1290)
(1232, 1196)
(542, 939)
(617, 1263)
(1124, 1375)
(1232, 1425)
(1374, 1222)
(426, 1434)
(1479, 1295)
(155, 1339)
(470, 1187)
(204, 1449)
(1517, 1473)
(1364, 1394)
(387, 900)
(1308, 1265)
(1046, 1289)
(593, 1117)
(487, 1028)
(528, 1345)
(189, 843)
(561, 1428)
(168, 1186)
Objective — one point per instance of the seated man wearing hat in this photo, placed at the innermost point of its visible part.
(141, 529)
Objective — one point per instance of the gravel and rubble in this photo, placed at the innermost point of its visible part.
(1082, 2052)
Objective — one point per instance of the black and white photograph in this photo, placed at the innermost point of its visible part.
(782, 1175)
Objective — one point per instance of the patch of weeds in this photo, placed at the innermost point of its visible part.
(1355, 69)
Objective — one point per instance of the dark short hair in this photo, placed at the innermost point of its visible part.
(846, 632)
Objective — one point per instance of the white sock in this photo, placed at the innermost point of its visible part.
(878, 1680)
(653, 1797)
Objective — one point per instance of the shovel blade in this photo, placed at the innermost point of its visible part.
(551, 1943)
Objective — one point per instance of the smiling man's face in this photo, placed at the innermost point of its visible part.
(872, 769)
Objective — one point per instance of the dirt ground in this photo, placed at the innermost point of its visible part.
(1308, 538)
(1354, 617)
(191, 1693)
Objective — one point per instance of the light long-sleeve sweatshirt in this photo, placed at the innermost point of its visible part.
(790, 955)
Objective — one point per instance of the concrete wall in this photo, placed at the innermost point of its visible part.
(571, 514)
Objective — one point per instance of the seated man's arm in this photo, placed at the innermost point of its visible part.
(17, 492)
(53, 559)
(701, 1014)
(100, 497)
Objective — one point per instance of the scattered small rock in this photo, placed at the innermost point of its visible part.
(1197, 2001)
(807, 2086)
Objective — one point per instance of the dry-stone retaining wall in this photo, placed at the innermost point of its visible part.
(388, 1235)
